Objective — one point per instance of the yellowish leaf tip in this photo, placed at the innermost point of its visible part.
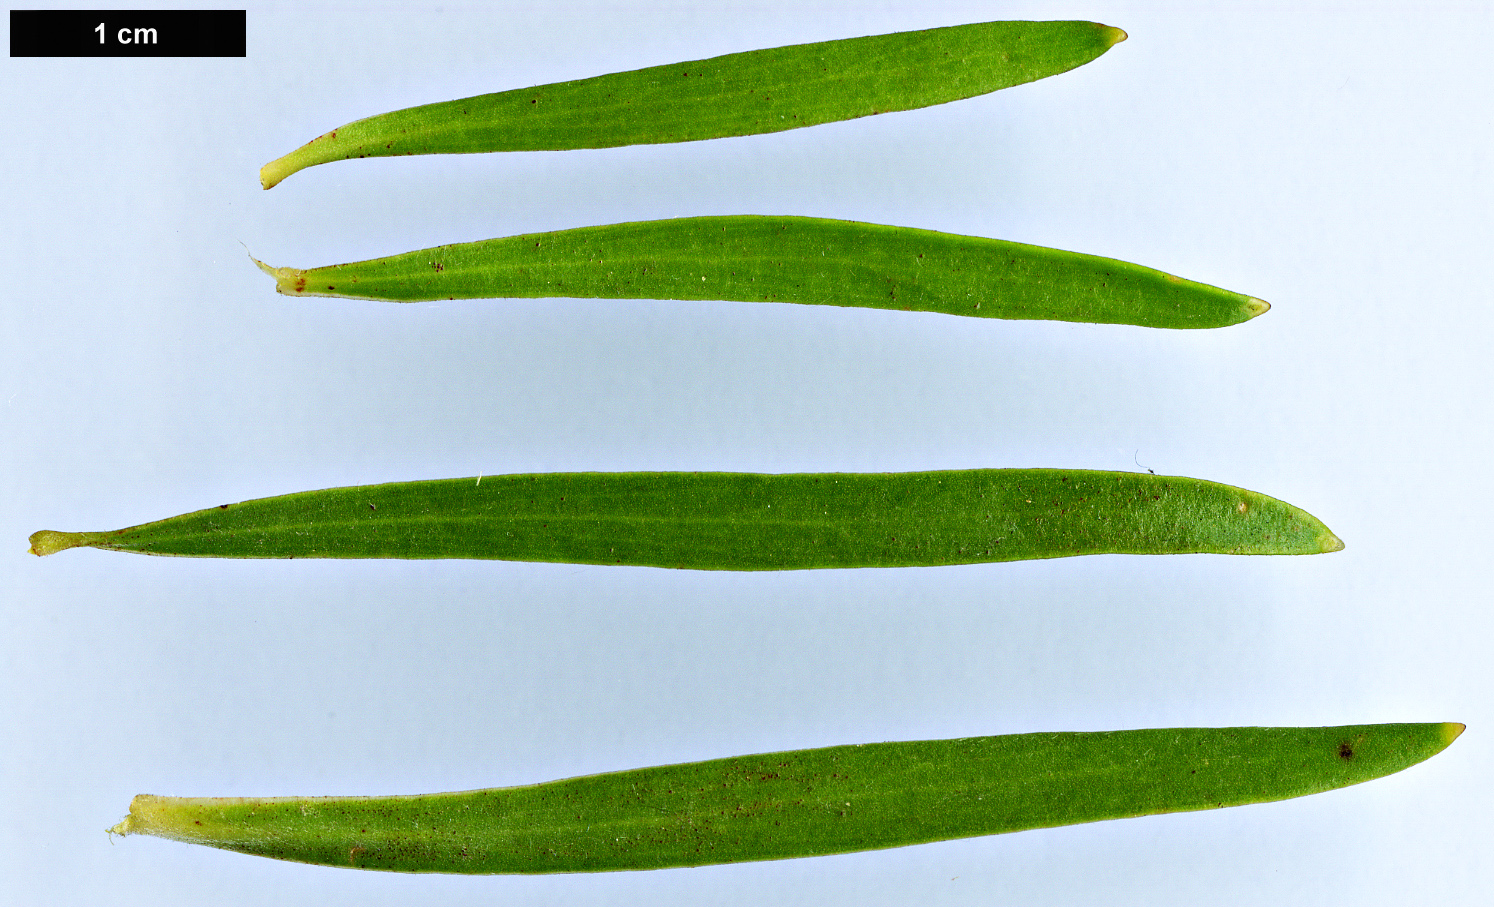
(306, 156)
(290, 281)
(48, 542)
(1451, 731)
(165, 817)
(139, 820)
(130, 824)
(272, 173)
(1330, 542)
(1110, 33)
(1256, 307)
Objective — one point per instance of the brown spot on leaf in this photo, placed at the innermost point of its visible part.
(1346, 751)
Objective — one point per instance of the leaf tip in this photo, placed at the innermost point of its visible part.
(142, 819)
(1112, 35)
(1451, 731)
(48, 541)
(272, 173)
(308, 155)
(289, 281)
(1328, 542)
(174, 818)
(1256, 307)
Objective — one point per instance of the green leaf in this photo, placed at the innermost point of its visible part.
(787, 259)
(799, 804)
(737, 94)
(740, 521)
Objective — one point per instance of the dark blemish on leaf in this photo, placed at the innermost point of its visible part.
(330, 287)
(372, 506)
(222, 506)
(438, 266)
(1346, 751)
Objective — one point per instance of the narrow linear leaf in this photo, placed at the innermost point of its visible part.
(738, 94)
(799, 804)
(751, 258)
(740, 521)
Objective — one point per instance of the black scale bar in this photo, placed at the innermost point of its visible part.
(127, 33)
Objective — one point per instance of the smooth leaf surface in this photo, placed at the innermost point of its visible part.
(737, 94)
(787, 259)
(740, 521)
(798, 804)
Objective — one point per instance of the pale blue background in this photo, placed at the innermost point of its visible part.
(1333, 158)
